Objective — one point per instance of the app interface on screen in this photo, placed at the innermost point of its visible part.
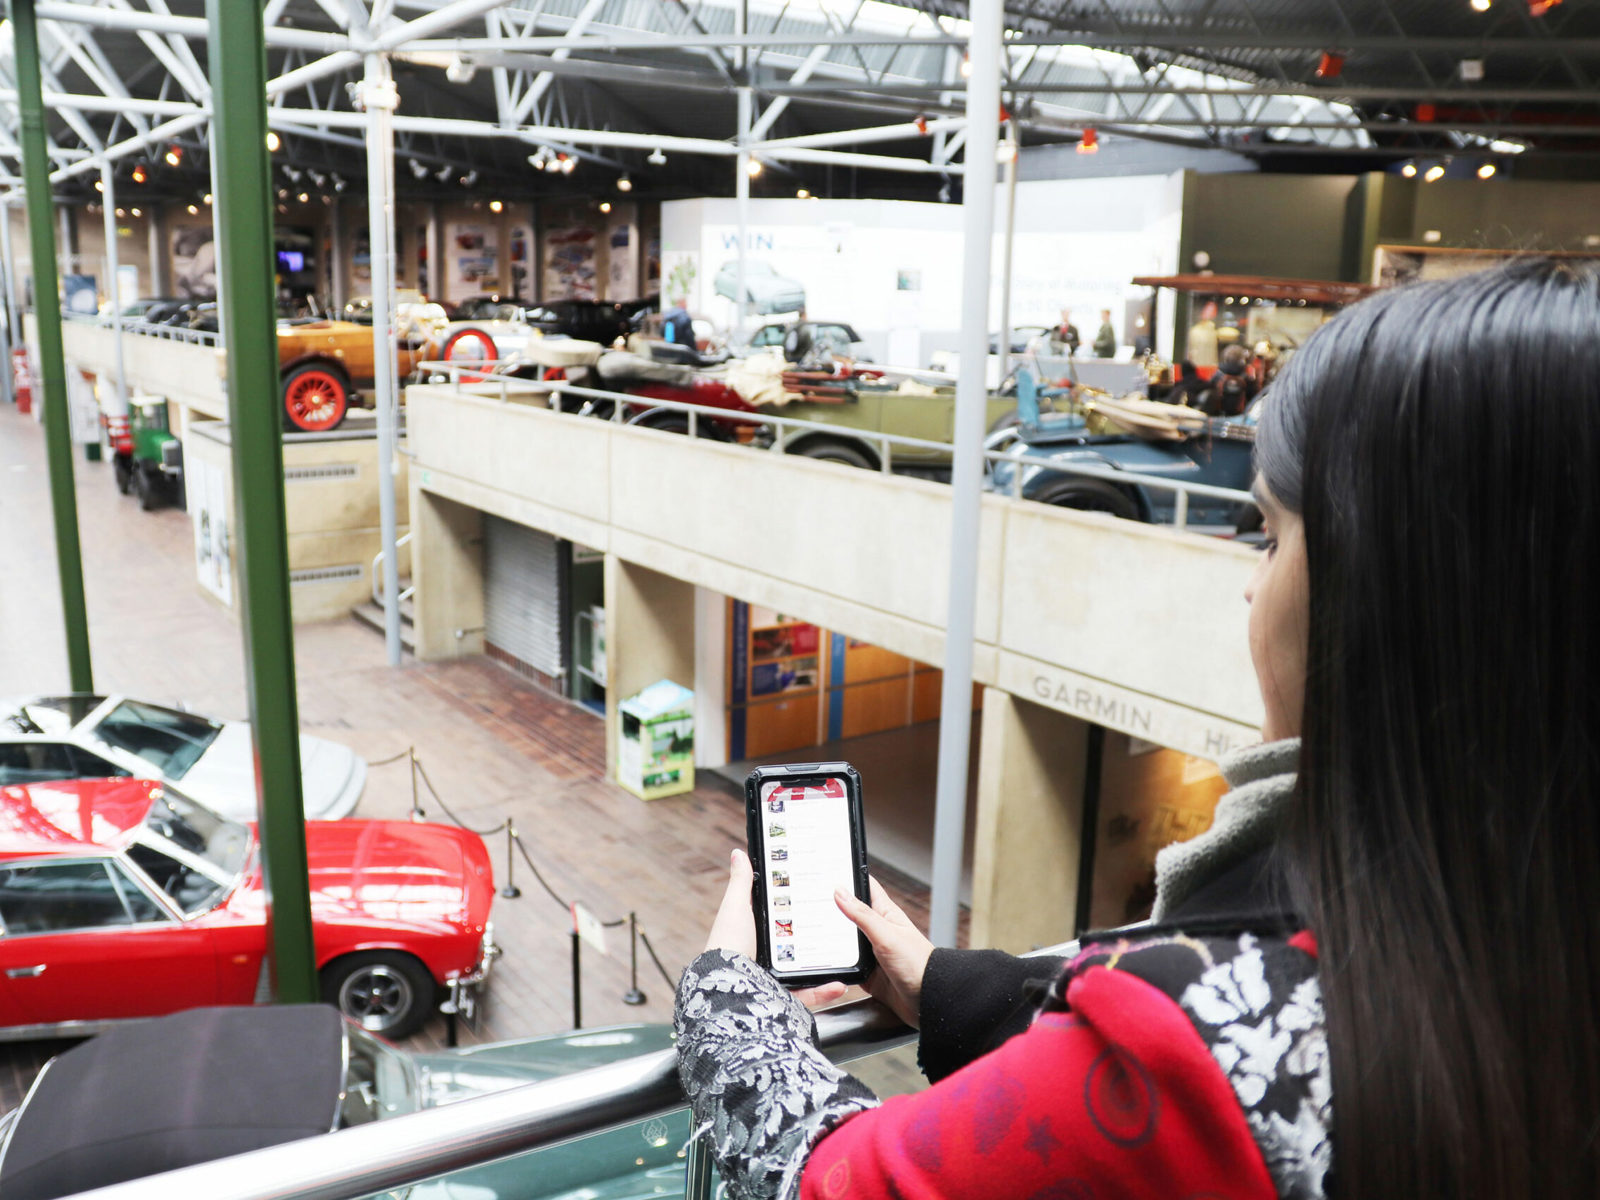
(806, 854)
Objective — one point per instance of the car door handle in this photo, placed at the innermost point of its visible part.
(26, 972)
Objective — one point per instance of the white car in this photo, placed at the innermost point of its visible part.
(91, 737)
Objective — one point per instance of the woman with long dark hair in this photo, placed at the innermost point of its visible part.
(1378, 974)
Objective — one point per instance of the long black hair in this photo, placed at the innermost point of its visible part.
(1442, 444)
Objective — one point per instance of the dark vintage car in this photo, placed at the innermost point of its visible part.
(214, 1082)
(587, 320)
(121, 899)
(1211, 452)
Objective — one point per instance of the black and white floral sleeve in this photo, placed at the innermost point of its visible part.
(757, 1083)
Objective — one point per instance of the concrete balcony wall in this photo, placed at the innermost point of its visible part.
(1132, 627)
(191, 375)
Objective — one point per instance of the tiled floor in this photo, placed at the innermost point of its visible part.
(495, 749)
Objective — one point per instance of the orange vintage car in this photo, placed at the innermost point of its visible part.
(323, 362)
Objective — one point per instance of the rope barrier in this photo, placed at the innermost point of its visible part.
(509, 826)
(671, 983)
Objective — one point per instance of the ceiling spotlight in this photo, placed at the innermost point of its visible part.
(318, 178)
(292, 173)
(338, 184)
(1089, 143)
(206, 199)
(139, 173)
(568, 165)
(283, 193)
(326, 199)
(304, 197)
(944, 193)
(136, 212)
(605, 206)
(174, 154)
(283, 208)
(1409, 170)
(536, 162)
(470, 178)
(802, 194)
(624, 184)
(1481, 5)
(1486, 170)
(460, 70)
(1471, 70)
(418, 171)
(1434, 173)
(496, 206)
(1330, 65)
(193, 211)
(99, 185)
(444, 172)
(273, 140)
(121, 213)
(966, 66)
(657, 159)
(753, 168)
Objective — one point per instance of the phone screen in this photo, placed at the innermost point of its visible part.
(806, 855)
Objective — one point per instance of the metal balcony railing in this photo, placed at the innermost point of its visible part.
(402, 1151)
(486, 381)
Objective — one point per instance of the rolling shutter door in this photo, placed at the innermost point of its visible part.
(522, 597)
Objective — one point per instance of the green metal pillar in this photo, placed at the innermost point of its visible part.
(52, 371)
(238, 67)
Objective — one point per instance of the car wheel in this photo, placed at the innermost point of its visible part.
(315, 399)
(147, 487)
(672, 421)
(837, 452)
(467, 348)
(1091, 495)
(386, 992)
(122, 471)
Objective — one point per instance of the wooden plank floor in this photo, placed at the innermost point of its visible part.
(493, 746)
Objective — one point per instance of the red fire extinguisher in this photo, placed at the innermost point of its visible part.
(21, 379)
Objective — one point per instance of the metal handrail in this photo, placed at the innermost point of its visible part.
(171, 333)
(400, 1151)
(377, 564)
(1182, 489)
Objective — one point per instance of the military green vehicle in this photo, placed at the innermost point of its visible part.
(864, 407)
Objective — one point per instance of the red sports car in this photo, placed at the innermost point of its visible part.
(121, 898)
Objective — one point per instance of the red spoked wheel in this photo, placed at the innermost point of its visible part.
(470, 347)
(315, 399)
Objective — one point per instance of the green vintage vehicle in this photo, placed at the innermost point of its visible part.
(213, 1082)
(921, 407)
(146, 457)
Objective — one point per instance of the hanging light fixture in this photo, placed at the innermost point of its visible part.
(194, 211)
(1434, 173)
(273, 140)
(657, 159)
(605, 206)
(1409, 170)
(753, 168)
(174, 154)
(569, 165)
(802, 194)
(1487, 170)
(139, 173)
(206, 199)
(624, 184)
(496, 206)
(966, 66)
(1481, 5)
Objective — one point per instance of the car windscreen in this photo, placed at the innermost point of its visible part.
(47, 714)
(168, 740)
(379, 1081)
(220, 845)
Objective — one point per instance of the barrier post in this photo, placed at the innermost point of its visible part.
(633, 995)
(511, 891)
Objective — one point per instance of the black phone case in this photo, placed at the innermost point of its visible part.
(791, 775)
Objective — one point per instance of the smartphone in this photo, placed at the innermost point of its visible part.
(807, 839)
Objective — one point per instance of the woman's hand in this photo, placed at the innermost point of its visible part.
(901, 950)
(735, 925)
